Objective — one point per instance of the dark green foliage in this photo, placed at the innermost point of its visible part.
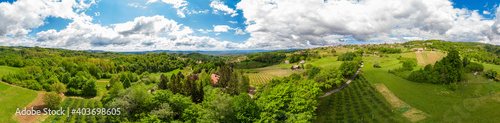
(52, 100)
(492, 74)
(245, 109)
(448, 70)
(349, 56)
(408, 63)
(348, 68)
(90, 88)
(474, 67)
(269, 58)
(163, 82)
(386, 50)
(329, 77)
(311, 73)
(376, 65)
(126, 83)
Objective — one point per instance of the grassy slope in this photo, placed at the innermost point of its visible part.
(12, 98)
(4, 70)
(437, 100)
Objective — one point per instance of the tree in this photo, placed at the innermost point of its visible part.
(225, 74)
(163, 82)
(465, 61)
(126, 83)
(245, 109)
(52, 100)
(348, 68)
(58, 88)
(90, 88)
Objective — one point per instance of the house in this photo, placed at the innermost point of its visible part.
(420, 49)
(287, 62)
(199, 62)
(215, 78)
(433, 49)
(302, 62)
(375, 53)
(296, 67)
(354, 48)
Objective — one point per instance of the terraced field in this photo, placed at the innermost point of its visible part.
(358, 102)
(267, 73)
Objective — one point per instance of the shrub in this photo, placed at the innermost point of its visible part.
(453, 86)
(52, 100)
(308, 66)
(58, 88)
(473, 67)
(376, 65)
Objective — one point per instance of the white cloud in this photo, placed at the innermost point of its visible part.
(17, 18)
(136, 5)
(204, 31)
(299, 23)
(221, 28)
(233, 22)
(180, 5)
(238, 31)
(486, 12)
(218, 5)
(143, 33)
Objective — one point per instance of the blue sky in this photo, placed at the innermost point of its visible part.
(243, 24)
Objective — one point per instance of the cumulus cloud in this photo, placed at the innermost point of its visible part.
(180, 5)
(17, 18)
(299, 23)
(238, 31)
(221, 28)
(143, 33)
(220, 6)
(233, 22)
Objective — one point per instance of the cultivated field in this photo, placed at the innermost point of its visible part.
(358, 102)
(426, 57)
(77, 103)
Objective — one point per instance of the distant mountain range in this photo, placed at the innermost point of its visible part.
(224, 52)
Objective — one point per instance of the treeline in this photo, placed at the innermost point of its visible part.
(203, 58)
(269, 58)
(152, 62)
(386, 50)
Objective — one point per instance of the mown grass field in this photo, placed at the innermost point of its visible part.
(472, 102)
(4, 70)
(12, 98)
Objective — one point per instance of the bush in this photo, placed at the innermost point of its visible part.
(308, 66)
(52, 100)
(473, 67)
(58, 88)
(453, 86)
(376, 65)
(491, 74)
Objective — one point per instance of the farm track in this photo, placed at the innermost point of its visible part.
(339, 88)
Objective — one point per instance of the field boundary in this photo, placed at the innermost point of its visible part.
(412, 114)
(345, 84)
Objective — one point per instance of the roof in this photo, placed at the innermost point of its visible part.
(215, 77)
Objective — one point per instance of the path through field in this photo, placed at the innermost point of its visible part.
(412, 114)
(37, 104)
(339, 88)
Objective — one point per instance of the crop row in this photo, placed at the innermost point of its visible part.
(76, 104)
(358, 102)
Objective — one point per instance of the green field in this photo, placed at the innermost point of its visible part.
(12, 98)
(4, 70)
(472, 102)
(184, 71)
(73, 103)
(358, 102)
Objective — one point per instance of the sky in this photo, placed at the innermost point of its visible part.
(182, 25)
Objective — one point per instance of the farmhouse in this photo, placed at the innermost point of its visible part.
(375, 53)
(420, 49)
(296, 67)
(287, 62)
(302, 62)
(215, 77)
